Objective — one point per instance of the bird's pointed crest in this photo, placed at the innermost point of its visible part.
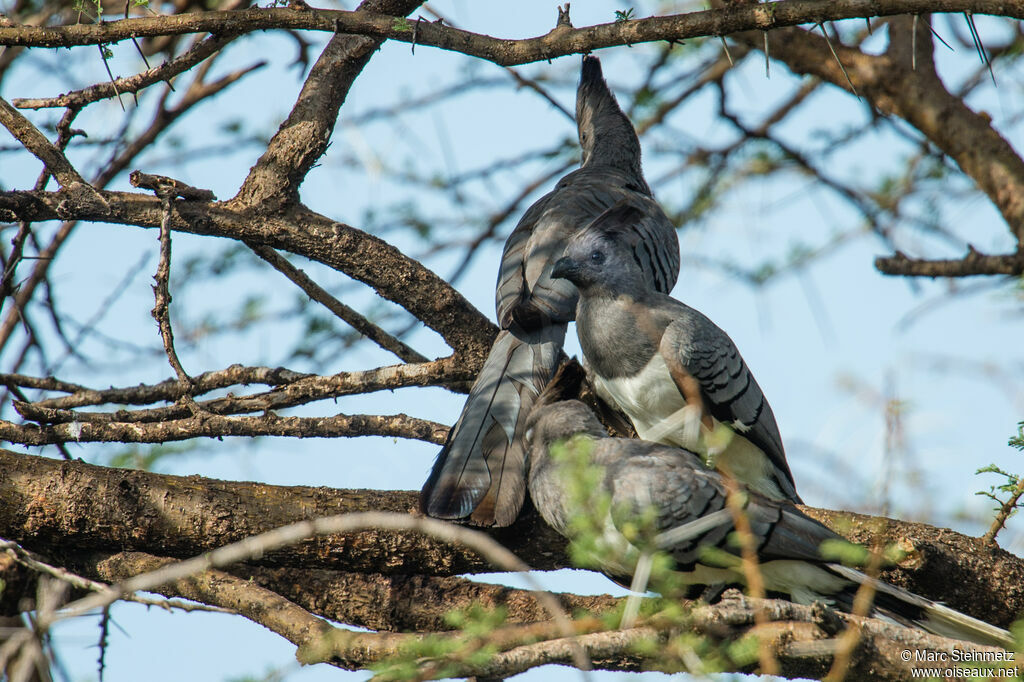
(590, 72)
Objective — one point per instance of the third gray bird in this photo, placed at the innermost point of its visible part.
(678, 377)
(693, 522)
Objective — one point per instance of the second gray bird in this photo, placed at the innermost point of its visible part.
(678, 377)
(692, 521)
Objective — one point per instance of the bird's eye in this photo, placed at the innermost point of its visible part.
(597, 257)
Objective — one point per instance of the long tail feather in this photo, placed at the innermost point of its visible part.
(479, 474)
(908, 608)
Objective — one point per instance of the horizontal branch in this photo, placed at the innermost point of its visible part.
(401, 603)
(298, 230)
(974, 263)
(802, 637)
(47, 503)
(561, 41)
(163, 72)
(79, 396)
(207, 425)
(295, 389)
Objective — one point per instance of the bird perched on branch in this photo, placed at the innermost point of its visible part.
(479, 475)
(678, 377)
(692, 521)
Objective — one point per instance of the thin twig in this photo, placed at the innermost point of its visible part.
(110, 74)
(32, 561)
(767, 60)
(161, 309)
(832, 49)
(345, 313)
(1005, 510)
(978, 44)
(725, 48)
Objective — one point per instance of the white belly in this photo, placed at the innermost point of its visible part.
(647, 398)
(652, 402)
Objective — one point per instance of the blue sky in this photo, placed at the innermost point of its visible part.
(824, 343)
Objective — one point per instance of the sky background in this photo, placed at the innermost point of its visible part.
(827, 343)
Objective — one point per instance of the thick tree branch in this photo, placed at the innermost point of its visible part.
(303, 136)
(219, 588)
(362, 256)
(46, 503)
(801, 637)
(561, 41)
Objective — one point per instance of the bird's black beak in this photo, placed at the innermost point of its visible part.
(565, 268)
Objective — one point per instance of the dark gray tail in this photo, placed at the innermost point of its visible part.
(480, 473)
(912, 610)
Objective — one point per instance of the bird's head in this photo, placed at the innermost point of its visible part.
(601, 255)
(556, 415)
(558, 422)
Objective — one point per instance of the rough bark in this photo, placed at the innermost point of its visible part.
(48, 504)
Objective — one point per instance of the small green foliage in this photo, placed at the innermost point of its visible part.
(764, 161)
(1018, 440)
(467, 646)
(1017, 630)
(401, 25)
(851, 554)
(647, 647)
(1003, 492)
(764, 273)
(744, 650)
(845, 552)
(717, 557)
(146, 457)
(107, 53)
(645, 98)
(141, 3)
(623, 15)
(476, 620)
(1000, 493)
(231, 126)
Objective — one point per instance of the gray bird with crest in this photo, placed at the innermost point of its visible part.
(678, 377)
(480, 473)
